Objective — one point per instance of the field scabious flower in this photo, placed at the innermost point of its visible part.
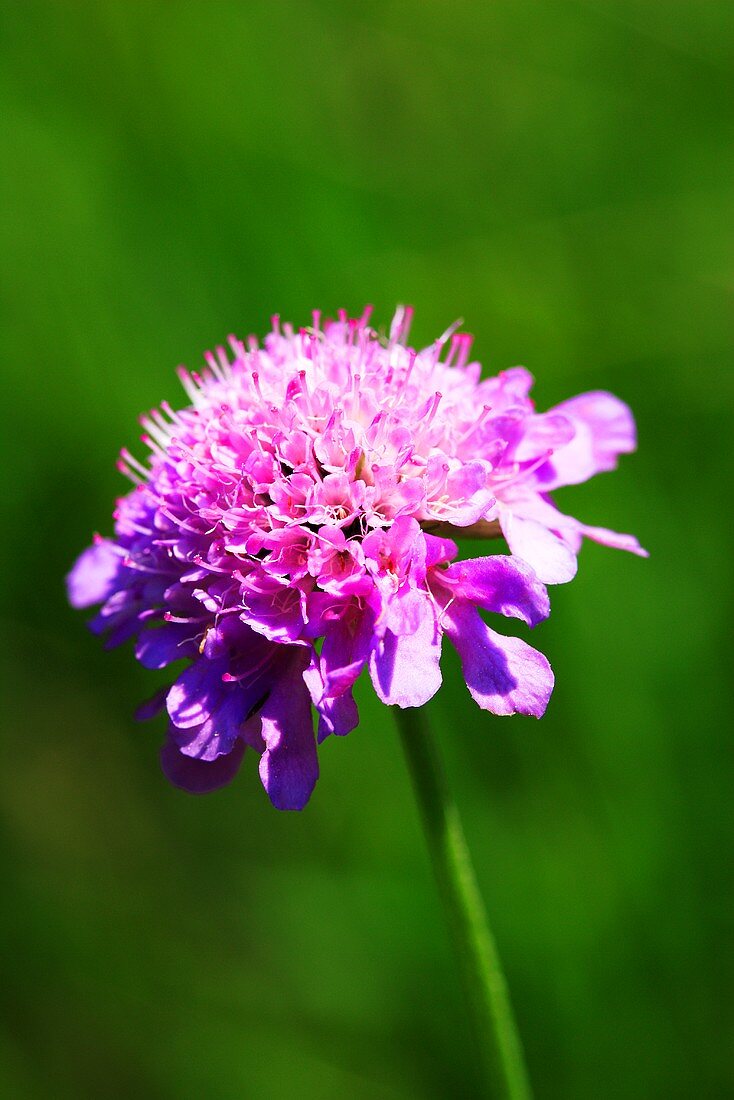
(285, 534)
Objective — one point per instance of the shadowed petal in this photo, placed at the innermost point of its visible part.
(200, 776)
(93, 575)
(216, 736)
(338, 714)
(207, 714)
(346, 648)
(160, 645)
(504, 675)
(193, 697)
(405, 670)
(289, 766)
(152, 706)
(439, 550)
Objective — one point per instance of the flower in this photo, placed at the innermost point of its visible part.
(286, 533)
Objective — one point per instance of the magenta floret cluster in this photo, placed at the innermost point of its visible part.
(288, 531)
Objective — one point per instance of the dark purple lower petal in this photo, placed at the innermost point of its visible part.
(346, 647)
(152, 706)
(94, 574)
(200, 776)
(338, 715)
(289, 766)
(158, 646)
(201, 700)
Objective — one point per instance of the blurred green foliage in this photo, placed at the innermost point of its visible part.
(560, 175)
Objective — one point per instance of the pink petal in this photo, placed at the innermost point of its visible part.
(550, 556)
(614, 539)
(504, 675)
(405, 670)
(499, 583)
(605, 429)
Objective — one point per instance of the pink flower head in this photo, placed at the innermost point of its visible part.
(284, 535)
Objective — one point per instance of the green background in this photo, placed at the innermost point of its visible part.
(558, 174)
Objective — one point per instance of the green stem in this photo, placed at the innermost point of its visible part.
(480, 965)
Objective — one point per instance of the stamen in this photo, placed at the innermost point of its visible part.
(401, 323)
(466, 343)
(152, 445)
(474, 427)
(433, 409)
(256, 383)
(169, 617)
(238, 348)
(186, 381)
(129, 473)
(161, 437)
(133, 463)
(444, 337)
(171, 413)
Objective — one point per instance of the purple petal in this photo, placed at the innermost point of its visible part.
(214, 737)
(273, 608)
(200, 776)
(614, 539)
(509, 389)
(469, 495)
(405, 670)
(152, 706)
(193, 696)
(439, 550)
(289, 766)
(500, 583)
(404, 610)
(399, 548)
(93, 576)
(605, 429)
(541, 433)
(549, 555)
(160, 645)
(207, 715)
(338, 715)
(346, 648)
(504, 675)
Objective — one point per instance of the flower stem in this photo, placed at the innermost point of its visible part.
(480, 965)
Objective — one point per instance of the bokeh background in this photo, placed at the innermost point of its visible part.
(560, 175)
